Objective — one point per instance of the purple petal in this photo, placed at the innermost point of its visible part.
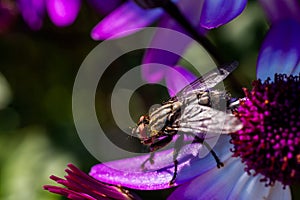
(200, 165)
(153, 72)
(128, 172)
(214, 184)
(281, 9)
(219, 12)
(280, 52)
(161, 56)
(63, 12)
(277, 192)
(193, 13)
(105, 6)
(124, 21)
(177, 78)
(230, 182)
(249, 187)
(161, 37)
(33, 12)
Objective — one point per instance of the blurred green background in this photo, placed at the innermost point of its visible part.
(38, 68)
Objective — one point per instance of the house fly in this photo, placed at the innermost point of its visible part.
(195, 110)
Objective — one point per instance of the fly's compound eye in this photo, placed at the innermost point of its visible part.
(142, 127)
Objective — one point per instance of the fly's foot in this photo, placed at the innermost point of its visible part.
(150, 159)
(175, 173)
(217, 159)
(213, 153)
(220, 164)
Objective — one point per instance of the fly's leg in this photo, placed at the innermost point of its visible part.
(175, 173)
(213, 153)
(150, 159)
(178, 144)
(157, 144)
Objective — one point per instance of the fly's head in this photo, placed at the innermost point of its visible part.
(141, 131)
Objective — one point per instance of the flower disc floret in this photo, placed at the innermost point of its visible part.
(269, 142)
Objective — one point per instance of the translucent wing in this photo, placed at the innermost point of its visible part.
(208, 80)
(197, 118)
(203, 109)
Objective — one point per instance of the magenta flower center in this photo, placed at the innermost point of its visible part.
(269, 142)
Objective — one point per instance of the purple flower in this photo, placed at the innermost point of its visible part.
(79, 185)
(269, 142)
(262, 159)
(199, 178)
(267, 147)
(271, 113)
(61, 12)
(267, 151)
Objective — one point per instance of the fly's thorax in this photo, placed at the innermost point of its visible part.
(158, 120)
(212, 98)
(176, 106)
(160, 117)
(219, 99)
(203, 98)
(162, 110)
(197, 97)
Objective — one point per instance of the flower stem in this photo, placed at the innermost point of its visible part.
(177, 15)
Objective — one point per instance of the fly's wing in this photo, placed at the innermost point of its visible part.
(208, 80)
(198, 112)
(197, 118)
